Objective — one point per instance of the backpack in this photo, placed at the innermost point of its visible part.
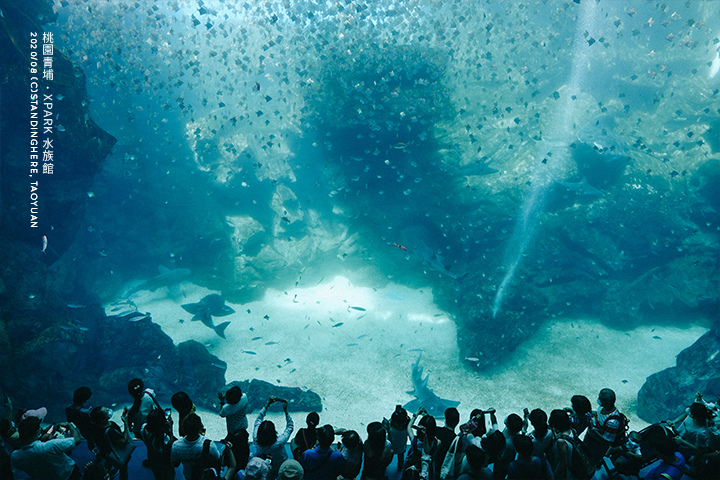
(580, 465)
(204, 461)
(621, 436)
(119, 450)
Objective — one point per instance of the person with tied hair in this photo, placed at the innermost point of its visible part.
(143, 402)
(514, 426)
(424, 445)
(322, 462)
(305, 438)
(46, 460)
(268, 443)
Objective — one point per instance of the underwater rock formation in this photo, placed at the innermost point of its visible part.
(258, 391)
(666, 394)
(49, 345)
(48, 353)
(79, 146)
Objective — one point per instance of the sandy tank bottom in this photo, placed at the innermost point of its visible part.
(355, 345)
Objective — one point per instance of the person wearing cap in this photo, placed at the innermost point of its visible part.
(256, 469)
(46, 460)
(291, 470)
(40, 413)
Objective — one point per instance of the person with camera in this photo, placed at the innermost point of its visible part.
(44, 455)
(424, 444)
(268, 443)
(158, 438)
(475, 429)
(113, 443)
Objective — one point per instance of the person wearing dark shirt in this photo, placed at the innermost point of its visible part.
(446, 435)
(672, 466)
(527, 466)
(580, 413)
(306, 438)
(322, 462)
(79, 414)
(106, 431)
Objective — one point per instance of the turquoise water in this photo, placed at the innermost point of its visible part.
(461, 149)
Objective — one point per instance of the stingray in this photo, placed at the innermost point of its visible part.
(424, 396)
(209, 306)
(213, 303)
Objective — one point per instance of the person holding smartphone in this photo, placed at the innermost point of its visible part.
(268, 443)
(46, 458)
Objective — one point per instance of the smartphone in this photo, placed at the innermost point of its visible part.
(167, 413)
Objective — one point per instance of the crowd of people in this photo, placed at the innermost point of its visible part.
(573, 443)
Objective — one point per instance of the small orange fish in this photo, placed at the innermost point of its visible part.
(400, 247)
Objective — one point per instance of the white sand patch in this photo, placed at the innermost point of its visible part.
(359, 361)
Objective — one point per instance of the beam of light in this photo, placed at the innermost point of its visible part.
(555, 142)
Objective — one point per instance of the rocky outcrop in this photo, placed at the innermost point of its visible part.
(258, 392)
(48, 353)
(666, 394)
(49, 346)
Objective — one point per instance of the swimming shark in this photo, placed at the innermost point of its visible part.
(209, 306)
(434, 259)
(424, 396)
(478, 168)
(166, 278)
